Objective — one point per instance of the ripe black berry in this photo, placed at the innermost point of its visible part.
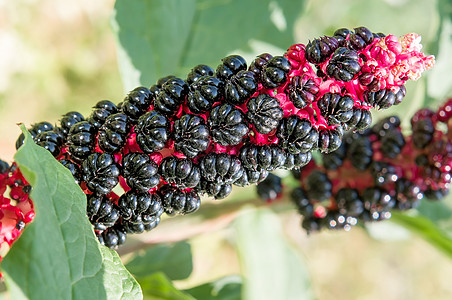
(74, 168)
(341, 35)
(136, 103)
(360, 153)
(343, 65)
(34, 130)
(155, 89)
(251, 177)
(204, 93)
(302, 202)
(349, 202)
(176, 201)
(113, 236)
(302, 90)
(101, 211)
(220, 168)
(383, 172)
(296, 161)
(360, 38)
(133, 203)
(321, 49)
(4, 167)
(360, 120)
(100, 172)
(264, 157)
(330, 139)
(264, 112)
(113, 134)
(180, 171)
(275, 72)
(270, 188)
(100, 113)
(422, 132)
(68, 120)
(216, 190)
(297, 135)
(171, 96)
(140, 171)
(230, 66)
(333, 160)
(227, 125)
(259, 63)
(81, 140)
(190, 135)
(392, 143)
(383, 98)
(239, 87)
(152, 131)
(50, 140)
(336, 108)
(197, 72)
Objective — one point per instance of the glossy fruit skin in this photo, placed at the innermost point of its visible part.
(318, 186)
(176, 201)
(34, 130)
(113, 134)
(133, 204)
(112, 237)
(264, 112)
(230, 66)
(262, 157)
(191, 135)
(385, 125)
(321, 49)
(152, 131)
(68, 120)
(302, 202)
(297, 135)
(269, 189)
(239, 87)
(73, 168)
(330, 139)
(204, 92)
(101, 111)
(155, 89)
(382, 172)
(50, 140)
(227, 125)
(220, 168)
(343, 65)
(383, 98)
(360, 120)
(361, 38)
(197, 72)
(302, 91)
(136, 103)
(258, 64)
(181, 172)
(100, 172)
(349, 202)
(214, 189)
(340, 35)
(360, 153)
(81, 139)
(4, 167)
(275, 72)
(408, 194)
(423, 131)
(335, 108)
(171, 96)
(101, 211)
(140, 172)
(251, 177)
(296, 161)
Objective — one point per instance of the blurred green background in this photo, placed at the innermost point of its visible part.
(57, 56)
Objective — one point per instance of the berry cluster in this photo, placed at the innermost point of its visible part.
(377, 170)
(168, 144)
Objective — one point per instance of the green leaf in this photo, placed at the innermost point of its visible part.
(226, 288)
(158, 287)
(162, 37)
(174, 261)
(264, 250)
(58, 256)
(426, 229)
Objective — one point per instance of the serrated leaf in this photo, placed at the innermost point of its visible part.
(272, 269)
(158, 287)
(58, 256)
(174, 261)
(169, 37)
(426, 229)
(226, 288)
